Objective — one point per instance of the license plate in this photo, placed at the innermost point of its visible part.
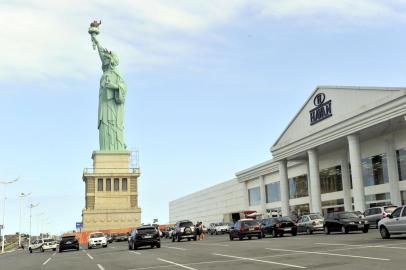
(287, 229)
(147, 236)
(68, 242)
(251, 229)
(360, 226)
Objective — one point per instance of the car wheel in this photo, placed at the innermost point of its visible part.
(152, 246)
(77, 248)
(240, 237)
(54, 249)
(179, 238)
(30, 250)
(173, 238)
(188, 239)
(61, 250)
(281, 234)
(158, 245)
(89, 247)
(365, 230)
(195, 238)
(260, 236)
(309, 231)
(231, 238)
(384, 232)
(42, 250)
(294, 233)
(274, 234)
(263, 235)
(249, 237)
(326, 230)
(105, 246)
(129, 246)
(215, 232)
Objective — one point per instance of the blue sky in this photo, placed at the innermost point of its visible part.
(211, 85)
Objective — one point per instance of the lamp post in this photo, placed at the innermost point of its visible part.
(31, 207)
(5, 183)
(22, 195)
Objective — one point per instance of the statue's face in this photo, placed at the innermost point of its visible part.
(109, 60)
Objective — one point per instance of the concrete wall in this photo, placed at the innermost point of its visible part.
(208, 205)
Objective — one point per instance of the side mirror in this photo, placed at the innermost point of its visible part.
(232, 227)
(390, 216)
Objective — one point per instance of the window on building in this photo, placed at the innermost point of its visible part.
(108, 184)
(116, 184)
(401, 157)
(124, 184)
(380, 199)
(298, 187)
(331, 206)
(273, 192)
(330, 180)
(300, 209)
(100, 184)
(403, 196)
(254, 196)
(375, 170)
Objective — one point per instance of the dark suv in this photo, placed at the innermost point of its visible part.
(278, 226)
(144, 236)
(246, 228)
(68, 242)
(184, 229)
(345, 222)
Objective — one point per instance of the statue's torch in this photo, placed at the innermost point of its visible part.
(93, 31)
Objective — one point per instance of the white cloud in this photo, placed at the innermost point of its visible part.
(48, 39)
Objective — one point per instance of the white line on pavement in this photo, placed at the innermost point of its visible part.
(46, 261)
(329, 254)
(360, 246)
(262, 261)
(206, 244)
(138, 253)
(100, 267)
(90, 256)
(177, 264)
(54, 254)
(183, 249)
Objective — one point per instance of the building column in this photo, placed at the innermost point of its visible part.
(346, 180)
(309, 188)
(284, 187)
(314, 174)
(356, 172)
(393, 172)
(246, 199)
(263, 194)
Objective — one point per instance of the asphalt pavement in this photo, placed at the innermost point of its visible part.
(318, 251)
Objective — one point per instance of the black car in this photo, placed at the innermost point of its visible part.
(278, 226)
(121, 237)
(345, 222)
(246, 228)
(184, 229)
(144, 236)
(68, 242)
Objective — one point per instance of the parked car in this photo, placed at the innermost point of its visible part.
(246, 228)
(96, 239)
(43, 245)
(109, 238)
(184, 229)
(394, 223)
(68, 242)
(375, 214)
(144, 236)
(310, 223)
(278, 226)
(114, 236)
(345, 222)
(219, 228)
(121, 237)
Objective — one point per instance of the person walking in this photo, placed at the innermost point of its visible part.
(201, 237)
(198, 231)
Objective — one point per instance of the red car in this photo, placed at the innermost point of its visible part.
(246, 228)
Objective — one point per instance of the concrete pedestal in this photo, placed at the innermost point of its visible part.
(111, 193)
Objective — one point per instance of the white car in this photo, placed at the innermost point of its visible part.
(96, 239)
(43, 244)
(394, 223)
(220, 228)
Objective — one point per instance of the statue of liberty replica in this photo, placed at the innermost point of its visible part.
(111, 98)
(111, 185)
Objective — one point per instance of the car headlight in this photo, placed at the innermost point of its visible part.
(351, 223)
(366, 222)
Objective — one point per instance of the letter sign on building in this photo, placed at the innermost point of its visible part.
(322, 110)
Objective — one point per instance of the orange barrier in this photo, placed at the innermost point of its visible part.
(83, 236)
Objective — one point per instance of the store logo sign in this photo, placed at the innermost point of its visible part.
(322, 109)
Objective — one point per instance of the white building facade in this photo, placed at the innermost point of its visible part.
(344, 150)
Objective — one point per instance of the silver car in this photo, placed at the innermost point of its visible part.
(394, 223)
(310, 223)
(375, 214)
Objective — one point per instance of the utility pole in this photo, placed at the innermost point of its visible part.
(22, 195)
(5, 183)
(31, 207)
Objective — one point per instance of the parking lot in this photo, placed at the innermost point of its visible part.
(317, 251)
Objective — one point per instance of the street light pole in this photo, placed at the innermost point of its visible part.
(31, 207)
(5, 183)
(22, 195)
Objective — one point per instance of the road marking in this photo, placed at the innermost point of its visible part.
(183, 249)
(47, 261)
(177, 264)
(138, 253)
(54, 254)
(112, 247)
(329, 254)
(90, 256)
(204, 244)
(360, 246)
(100, 267)
(256, 260)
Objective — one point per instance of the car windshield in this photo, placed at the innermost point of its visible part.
(315, 216)
(48, 240)
(186, 224)
(96, 235)
(285, 219)
(68, 238)
(348, 215)
(250, 222)
(389, 209)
